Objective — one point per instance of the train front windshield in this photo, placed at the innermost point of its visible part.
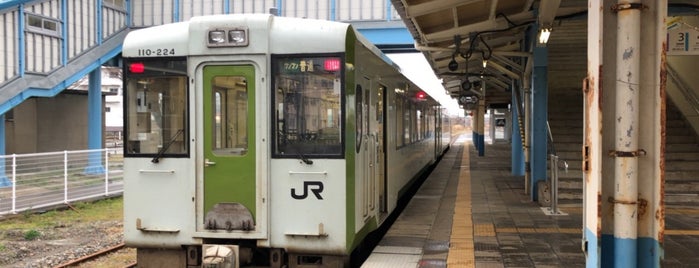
(307, 106)
(155, 101)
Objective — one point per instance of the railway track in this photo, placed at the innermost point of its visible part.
(95, 256)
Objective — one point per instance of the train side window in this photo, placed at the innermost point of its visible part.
(155, 107)
(307, 99)
(400, 137)
(230, 133)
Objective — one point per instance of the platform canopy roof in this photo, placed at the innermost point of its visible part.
(470, 31)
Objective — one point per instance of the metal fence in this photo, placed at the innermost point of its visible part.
(43, 180)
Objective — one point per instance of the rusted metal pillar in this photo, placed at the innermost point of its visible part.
(651, 167)
(626, 150)
(592, 137)
(623, 161)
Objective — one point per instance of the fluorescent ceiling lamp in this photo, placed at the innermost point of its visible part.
(544, 34)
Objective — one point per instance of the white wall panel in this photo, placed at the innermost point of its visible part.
(361, 10)
(193, 8)
(113, 21)
(49, 9)
(251, 6)
(146, 13)
(8, 46)
(43, 52)
(81, 26)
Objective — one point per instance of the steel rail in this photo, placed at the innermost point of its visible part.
(91, 256)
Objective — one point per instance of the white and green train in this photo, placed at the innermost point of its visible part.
(255, 139)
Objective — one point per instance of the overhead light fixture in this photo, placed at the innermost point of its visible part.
(485, 64)
(466, 85)
(544, 34)
(453, 65)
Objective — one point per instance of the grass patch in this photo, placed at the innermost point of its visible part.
(31, 234)
(103, 210)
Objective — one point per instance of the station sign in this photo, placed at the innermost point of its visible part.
(682, 38)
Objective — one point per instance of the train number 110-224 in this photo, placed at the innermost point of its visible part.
(156, 52)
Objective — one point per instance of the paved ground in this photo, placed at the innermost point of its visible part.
(471, 212)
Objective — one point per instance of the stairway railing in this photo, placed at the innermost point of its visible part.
(685, 89)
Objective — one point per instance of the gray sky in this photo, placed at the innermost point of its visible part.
(415, 67)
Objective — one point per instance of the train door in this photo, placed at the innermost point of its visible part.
(229, 183)
(380, 101)
(437, 130)
(366, 153)
(372, 146)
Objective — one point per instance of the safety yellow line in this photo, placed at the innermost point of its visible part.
(461, 243)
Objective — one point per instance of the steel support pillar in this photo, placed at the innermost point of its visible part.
(516, 145)
(526, 100)
(4, 180)
(539, 138)
(491, 129)
(481, 127)
(623, 216)
(94, 122)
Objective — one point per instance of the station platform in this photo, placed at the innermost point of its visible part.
(471, 212)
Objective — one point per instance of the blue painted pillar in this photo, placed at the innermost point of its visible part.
(94, 122)
(333, 10)
(279, 8)
(4, 181)
(517, 149)
(539, 100)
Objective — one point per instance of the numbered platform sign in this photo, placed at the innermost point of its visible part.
(682, 39)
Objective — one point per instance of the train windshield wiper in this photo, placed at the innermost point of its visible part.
(163, 149)
(303, 158)
(298, 152)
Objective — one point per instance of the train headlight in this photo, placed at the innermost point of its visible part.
(217, 37)
(237, 37)
(228, 37)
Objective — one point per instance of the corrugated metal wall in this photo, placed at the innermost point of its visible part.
(155, 12)
(39, 37)
(151, 12)
(9, 67)
(53, 33)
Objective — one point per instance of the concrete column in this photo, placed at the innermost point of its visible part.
(539, 102)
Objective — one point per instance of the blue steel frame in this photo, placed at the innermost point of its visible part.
(539, 138)
(94, 94)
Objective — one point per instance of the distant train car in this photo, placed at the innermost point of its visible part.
(254, 139)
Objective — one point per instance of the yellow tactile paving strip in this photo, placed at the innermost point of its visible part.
(461, 243)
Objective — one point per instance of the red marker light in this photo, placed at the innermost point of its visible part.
(331, 64)
(137, 68)
(421, 95)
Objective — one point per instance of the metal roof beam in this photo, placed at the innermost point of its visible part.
(434, 6)
(494, 24)
(547, 12)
